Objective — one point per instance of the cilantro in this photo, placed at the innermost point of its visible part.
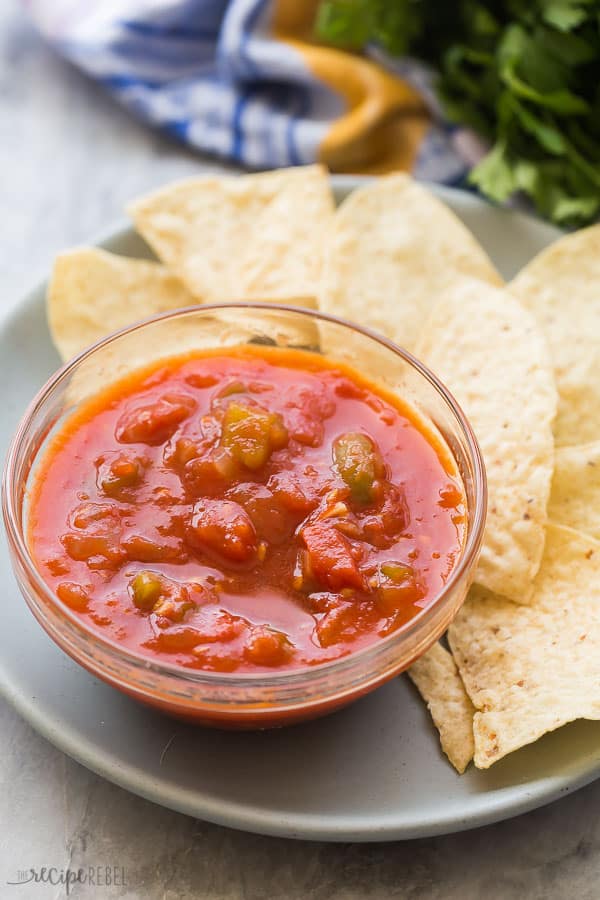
(526, 76)
(354, 23)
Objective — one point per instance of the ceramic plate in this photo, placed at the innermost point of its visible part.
(371, 772)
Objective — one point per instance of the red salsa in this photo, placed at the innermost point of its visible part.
(246, 512)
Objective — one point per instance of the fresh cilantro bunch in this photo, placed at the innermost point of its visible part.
(394, 24)
(524, 75)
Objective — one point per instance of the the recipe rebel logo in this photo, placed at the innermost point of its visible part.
(96, 876)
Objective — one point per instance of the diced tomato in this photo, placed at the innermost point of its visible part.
(337, 624)
(201, 379)
(95, 538)
(215, 658)
(330, 557)
(269, 520)
(100, 518)
(307, 411)
(74, 595)
(450, 497)
(267, 647)
(394, 597)
(209, 475)
(180, 452)
(154, 423)
(224, 528)
(118, 473)
(383, 527)
(101, 551)
(219, 626)
(295, 494)
(179, 639)
(146, 550)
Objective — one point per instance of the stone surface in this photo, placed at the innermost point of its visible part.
(69, 160)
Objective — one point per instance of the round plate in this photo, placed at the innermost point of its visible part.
(369, 773)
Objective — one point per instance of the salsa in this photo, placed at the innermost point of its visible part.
(251, 510)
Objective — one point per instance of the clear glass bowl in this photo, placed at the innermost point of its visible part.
(227, 699)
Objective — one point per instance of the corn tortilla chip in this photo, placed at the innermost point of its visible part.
(561, 288)
(240, 238)
(393, 250)
(436, 678)
(488, 351)
(575, 496)
(531, 669)
(174, 336)
(93, 293)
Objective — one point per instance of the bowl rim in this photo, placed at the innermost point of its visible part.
(277, 678)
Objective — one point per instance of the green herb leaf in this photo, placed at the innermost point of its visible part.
(525, 76)
(564, 14)
(494, 175)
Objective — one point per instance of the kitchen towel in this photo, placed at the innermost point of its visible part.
(245, 80)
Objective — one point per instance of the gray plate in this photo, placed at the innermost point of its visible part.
(371, 772)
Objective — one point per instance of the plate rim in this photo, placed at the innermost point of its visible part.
(242, 816)
(313, 827)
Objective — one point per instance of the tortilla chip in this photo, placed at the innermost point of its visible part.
(575, 496)
(93, 293)
(394, 249)
(488, 351)
(561, 287)
(177, 335)
(240, 238)
(531, 669)
(436, 678)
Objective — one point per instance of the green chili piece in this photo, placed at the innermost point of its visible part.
(250, 434)
(146, 589)
(359, 462)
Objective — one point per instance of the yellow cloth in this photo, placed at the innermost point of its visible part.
(384, 121)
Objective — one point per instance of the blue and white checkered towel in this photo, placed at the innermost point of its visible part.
(212, 73)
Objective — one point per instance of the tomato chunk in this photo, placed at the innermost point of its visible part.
(219, 627)
(180, 639)
(210, 474)
(74, 595)
(289, 490)
(270, 522)
(267, 647)
(337, 624)
(307, 412)
(223, 527)
(391, 517)
(330, 557)
(154, 423)
(117, 473)
(398, 587)
(98, 551)
(450, 497)
(179, 453)
(96, 534)
(146, 550)
(101, 518)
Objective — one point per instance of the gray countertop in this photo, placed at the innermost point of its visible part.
(70, 159)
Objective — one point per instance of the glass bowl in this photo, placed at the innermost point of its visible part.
(229, 699)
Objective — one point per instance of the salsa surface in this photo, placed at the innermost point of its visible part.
(252, 511)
